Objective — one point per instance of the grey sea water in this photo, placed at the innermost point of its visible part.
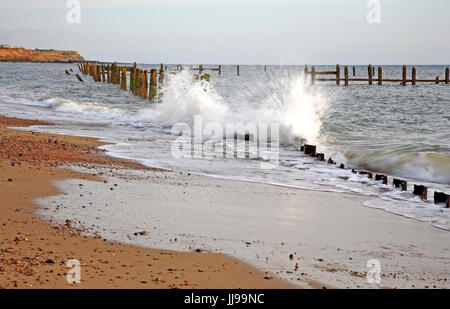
(401, 131)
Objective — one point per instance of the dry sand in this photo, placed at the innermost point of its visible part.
(33, 253)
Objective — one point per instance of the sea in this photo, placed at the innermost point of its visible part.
(402, 132)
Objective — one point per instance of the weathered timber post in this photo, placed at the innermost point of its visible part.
(79, 78)
(94, 71)
(398, 183)
(153, 84)
(404, 75)
(161, 77)
(162, 68)
(373, 71)
(310, 150)
(141, 85)
(124, 78)
(200, 69)
(265, 68)
(421, 191)
(99, 73)
(413, 76)
(441, 197)
(112, 73)
(346, 75)
(139, 79)
(338, 74)
(237, 70)
(306, 70)
(220, 69)
(134, 83)
(108, 74)
(370, 74)
(119, 80)
(447, 76)
(381, 177)
(437, 80)
(313, 75)
(145, 90)
(103, 73)
(354, 71)
(380, 76)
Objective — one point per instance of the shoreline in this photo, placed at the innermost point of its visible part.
(33, 253)
(338, 234)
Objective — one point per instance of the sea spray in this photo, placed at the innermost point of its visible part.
(285, 99)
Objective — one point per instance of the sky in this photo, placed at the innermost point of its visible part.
(235, 31)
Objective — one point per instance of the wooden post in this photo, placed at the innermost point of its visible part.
(141, 85)
(115, 73)
(346, 75)
(441, 197)
(437, 80)
(145, 92)
(306, 70)
(380, 76)
(161, 77)
(398, 183)
(220, 69)
(99, 74)
(237, 70)
(265, 68)
(108, 74)
(373, 71)
(404, 75)
(153, 84)
(134, 78)
(413, 77)
(421, 191)
(447, 76)
(338, 74)
(370, 74)
(162, 68)
(313, 75)
(354, 71)
(103, 73)
(124, 78)
(94, 72)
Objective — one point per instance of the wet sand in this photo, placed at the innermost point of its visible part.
(34, 253)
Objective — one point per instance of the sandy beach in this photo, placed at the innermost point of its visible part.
(34, 253)
(320, 237)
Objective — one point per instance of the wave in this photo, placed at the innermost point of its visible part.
(425, 166)
(285, 100)
(70, 106)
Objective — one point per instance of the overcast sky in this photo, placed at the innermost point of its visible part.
(235, 31)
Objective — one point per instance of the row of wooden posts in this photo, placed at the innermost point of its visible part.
(201, 68)
(142, 83)
(371, 76)
(420, 190)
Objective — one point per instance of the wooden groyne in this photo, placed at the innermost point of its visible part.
(141, 82)
(419, 190)
(371, 76)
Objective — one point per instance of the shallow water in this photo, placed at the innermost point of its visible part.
(401, 131)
